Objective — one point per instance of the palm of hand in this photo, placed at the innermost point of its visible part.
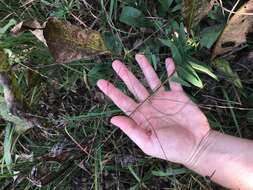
(166, 124)
(173, 123)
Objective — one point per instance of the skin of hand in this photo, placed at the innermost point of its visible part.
(225, 159)
(168, 125)
(164, 124)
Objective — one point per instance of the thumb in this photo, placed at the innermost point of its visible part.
(136, 133)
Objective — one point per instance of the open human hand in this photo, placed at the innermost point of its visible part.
(164, 124)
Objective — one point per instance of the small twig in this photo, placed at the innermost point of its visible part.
(232, 10)
(81, 22)
(27, 2)
(74, 141)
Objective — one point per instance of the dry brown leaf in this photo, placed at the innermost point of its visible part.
(65, 41)
(235, 33)
(25, 26)
(30, 25)
(68, 42)
(27, 2)
(195, 10)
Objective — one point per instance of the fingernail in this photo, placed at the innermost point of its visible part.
(113, 121)
(116, 65)
(168, 60)
(100, 82)
(139, 56)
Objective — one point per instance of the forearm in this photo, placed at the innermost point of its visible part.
(227, 160)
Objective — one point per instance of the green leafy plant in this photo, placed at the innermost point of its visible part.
(187, 65)
(133, 17)
(7, 147)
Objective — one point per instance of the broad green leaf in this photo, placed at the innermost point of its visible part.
(209, 35)
(203, 69)
(7, 146)
(133, 17)
(185, 71)
(175, 51)
(217, 15)
(166, 3)
(190, 76)
(59, 12)
(112, 43)
(180, 81)
(177, 8)
(182, 33)
(190, 69)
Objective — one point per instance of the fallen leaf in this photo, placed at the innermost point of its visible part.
(25, 26)
(68, 42)
(235, 32)
(30, 25)
(195, 10)
(65, 41)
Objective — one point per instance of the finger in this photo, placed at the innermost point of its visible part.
(152, 78)
(170, 66)
(132, 130)
(125, 103)
(133, 84)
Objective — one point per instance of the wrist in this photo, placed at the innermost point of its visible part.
(227, 160)
(202, 149)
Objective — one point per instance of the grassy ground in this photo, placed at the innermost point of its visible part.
(79, 149)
